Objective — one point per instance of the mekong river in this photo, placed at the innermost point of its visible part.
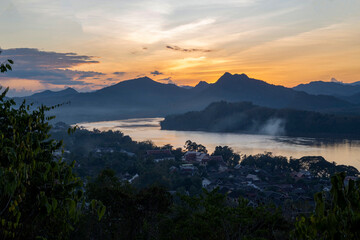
(141, 129)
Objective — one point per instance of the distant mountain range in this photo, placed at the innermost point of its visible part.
(143, 97)
(346, 91)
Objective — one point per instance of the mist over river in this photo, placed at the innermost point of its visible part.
(141, 129)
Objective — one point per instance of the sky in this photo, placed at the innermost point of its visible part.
(89, 44)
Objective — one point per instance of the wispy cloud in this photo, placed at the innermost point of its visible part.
(165, 79)
(119, 73)
(168, 80)
(156, 32)
(176, 48)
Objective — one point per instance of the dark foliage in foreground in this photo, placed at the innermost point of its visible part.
(39, 193)
(153, 214)
(336, 216)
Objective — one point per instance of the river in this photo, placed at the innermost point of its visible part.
(141, 129)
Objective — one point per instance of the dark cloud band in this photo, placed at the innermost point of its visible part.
(49, 67)
(156, 73)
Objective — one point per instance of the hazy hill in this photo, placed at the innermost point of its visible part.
(245, 117)
(48, 93)
(50, 97)
(143, 97)
(355, 98)
(329, 88)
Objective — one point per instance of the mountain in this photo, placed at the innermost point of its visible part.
(49, 97)
(329, 88)
(245, 117)
(201, 85)
(355, 98)
(49, 93)
(355, 83)
(239, 87)
(143, 97)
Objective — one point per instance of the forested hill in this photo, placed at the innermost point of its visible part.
(246, 117)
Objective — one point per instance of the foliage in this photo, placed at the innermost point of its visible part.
(210, 216)
(6, 65)
(193, 146)
(231, 158)
(39, 193)
(130, 214)
(334, 218)
(316, 165)
(266, 162)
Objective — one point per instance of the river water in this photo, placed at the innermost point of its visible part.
(342, 152)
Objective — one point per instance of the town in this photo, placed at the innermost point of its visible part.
(262, 178)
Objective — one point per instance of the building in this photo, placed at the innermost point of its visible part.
(188, 169)
(205, 183)
(195, 157)
(253, 177)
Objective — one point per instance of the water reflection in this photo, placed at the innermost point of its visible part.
(141, 129)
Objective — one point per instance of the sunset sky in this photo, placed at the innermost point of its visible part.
(89, 44)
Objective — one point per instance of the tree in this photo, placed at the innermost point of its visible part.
(193, 146)
(334, 218)
(6, 65)
(209, 216)
(39, 194)
(231, 158)
(129, 215)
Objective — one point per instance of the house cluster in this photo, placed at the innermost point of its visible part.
(289, 189)
(260, 186)
(100, 151)
(192, 158)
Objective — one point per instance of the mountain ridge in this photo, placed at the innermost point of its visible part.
(144, 97)
(337, 89)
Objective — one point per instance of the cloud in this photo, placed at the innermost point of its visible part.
(335, 80)
(119, 73)
(168, 79)
(156, 73)
(111, 79)
(49, 67)
(165, 79)
(176, 48)
(18, 92)
(88, 74)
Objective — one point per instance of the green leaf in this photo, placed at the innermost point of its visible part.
(102, 212)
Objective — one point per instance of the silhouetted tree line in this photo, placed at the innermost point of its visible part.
(316, 165)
